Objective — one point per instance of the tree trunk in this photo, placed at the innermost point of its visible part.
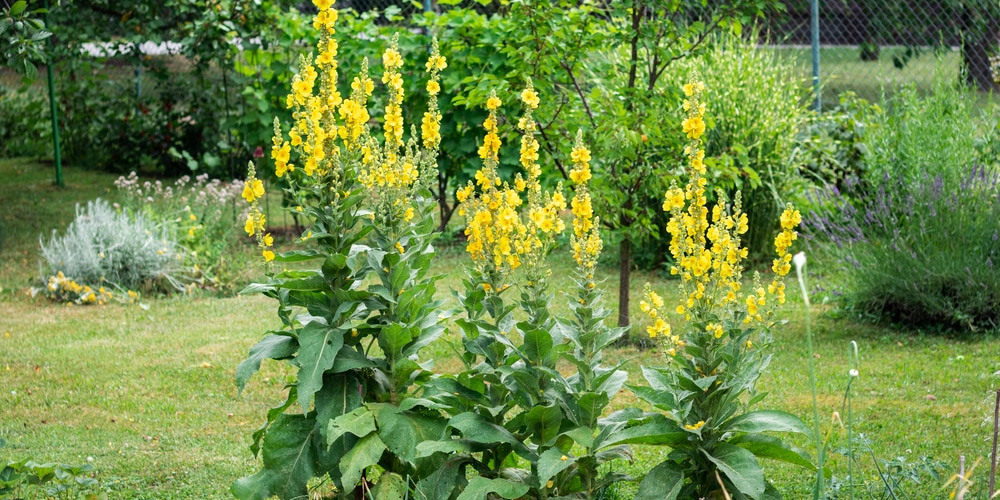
(976, 62)
(624, 278)
(446, 211)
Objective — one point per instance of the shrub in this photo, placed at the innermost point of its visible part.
(104, 246)
(24, 127)
(916, 236)
(199, 214)
(920, 253)
(934, 134)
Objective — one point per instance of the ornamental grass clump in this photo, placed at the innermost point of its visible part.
(717, 347)
(351, 327)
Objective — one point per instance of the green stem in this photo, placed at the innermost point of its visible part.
(812, 381)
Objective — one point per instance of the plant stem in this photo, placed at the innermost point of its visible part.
(812, 382)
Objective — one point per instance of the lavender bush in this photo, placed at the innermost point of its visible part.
(918, 250)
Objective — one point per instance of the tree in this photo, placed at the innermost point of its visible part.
(601, 65)
(22, 36)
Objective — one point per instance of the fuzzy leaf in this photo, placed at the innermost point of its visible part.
(664, 482)
(537, 346)
(288, 457)
(390, 486)
(480, 487)
(446, 481)
(365, 453)
(740, 466)
(360, 422)
(403, 431)
(764, 446)
(477, 429)
(270, 347)
(544, 423)
(319, 345)
(768, 420)
(551, 463)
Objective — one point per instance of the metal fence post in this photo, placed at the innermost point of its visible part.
(53, 107)
(814, 14)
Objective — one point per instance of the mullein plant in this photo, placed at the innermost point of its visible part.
(708, 386)
(353, 325)
(517, 427)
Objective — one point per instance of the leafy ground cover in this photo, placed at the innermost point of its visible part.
(149, 394)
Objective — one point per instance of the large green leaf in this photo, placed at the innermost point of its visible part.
(270, 347)
(476, 428)
(365, 453)
(544, 423)
(479, 487)
(740, 467)
(390, 486)
(537, 346)
(768, 420)
(360, 422)
(657, 429)
(663, 482)
(446, 481)
(392, 338)
(403, 431)
(338, 396)
(318, 349)
(288, 457)
(552, 462)
(764, 446)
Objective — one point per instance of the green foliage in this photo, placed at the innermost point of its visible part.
(832, 147)
(105, 246)
(200, 215)
(22, 35)
(934, 134)
(22, 132)
(928, 204)
(18, 478)
(608, 68)
(353, 325)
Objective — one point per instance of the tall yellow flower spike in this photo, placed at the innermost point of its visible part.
(707, 248)
(586, 240)
(542, 223)
(253, 191)
(430, 127)
(495, 231)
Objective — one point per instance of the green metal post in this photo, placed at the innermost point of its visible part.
(814, 14)
(53, 107)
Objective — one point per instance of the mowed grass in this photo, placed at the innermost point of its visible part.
(149, 394)
(841, 69)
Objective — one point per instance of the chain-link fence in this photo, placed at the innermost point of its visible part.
(872, 47)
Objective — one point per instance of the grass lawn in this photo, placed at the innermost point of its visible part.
(149, 394)
(841, 69)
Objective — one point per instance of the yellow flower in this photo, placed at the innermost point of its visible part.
(253, 189)
(694, 127)
(323, 4)
(695, 426)
(433, 87)
(268, 240)
(493, 103)
(268, 255)
(530, 98)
